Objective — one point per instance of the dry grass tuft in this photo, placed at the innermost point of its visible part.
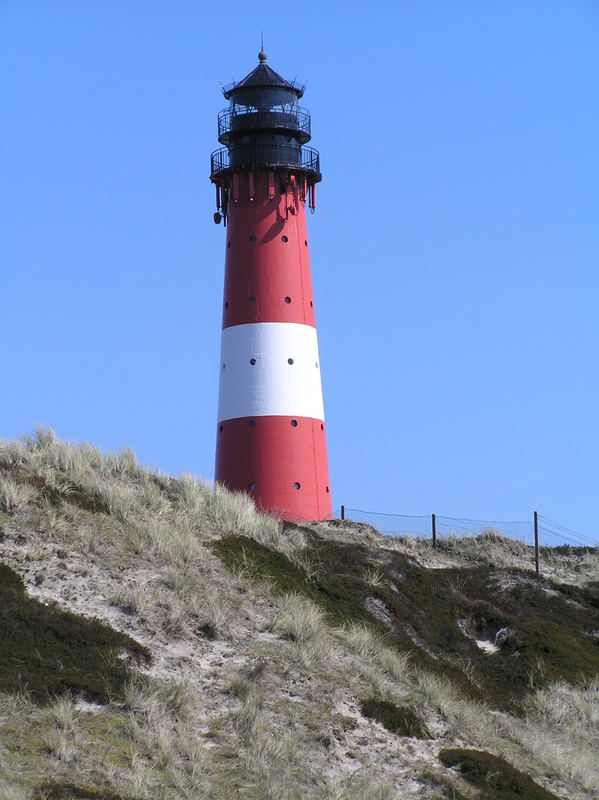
(362, 787)
(298, 619)
(64, 714)
(13, 496)
(372, 648)
(374, 577)
(234, 513)
(10, 791)
(562, 729)
(134, 599)
(571, 709)
(195, 495)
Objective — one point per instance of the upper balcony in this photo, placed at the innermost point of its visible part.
(305, 160)
(234, 121)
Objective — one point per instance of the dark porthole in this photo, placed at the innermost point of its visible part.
(252, 361)
(293, 423)
(226, 305)
(220, 429)
(321, 426)
(251, 487)
(290, 361)
(287, 299)
(306, 242)
(327, 489)
(224, 366)
(252, 423)
(296, 485)
(317, 365)
(252, 300)
(252, 238)
(229, 243)
(311, 304)
(284, 239)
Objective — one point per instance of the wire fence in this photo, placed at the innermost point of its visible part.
(538, 532)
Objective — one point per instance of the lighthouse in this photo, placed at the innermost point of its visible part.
(271, 434)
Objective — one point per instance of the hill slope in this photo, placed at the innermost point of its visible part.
(164, 640)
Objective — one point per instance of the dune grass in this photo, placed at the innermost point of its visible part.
(424, 607)
(341, 629)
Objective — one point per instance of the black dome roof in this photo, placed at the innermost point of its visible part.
(261, 77)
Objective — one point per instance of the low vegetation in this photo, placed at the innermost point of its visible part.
(542, 631)
(65, 790)
(162, 639)
(493, 776)
(402, 720)
(50, 652)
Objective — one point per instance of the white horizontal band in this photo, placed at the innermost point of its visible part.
(271, 386)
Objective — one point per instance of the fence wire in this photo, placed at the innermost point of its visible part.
(522, 530)
(392, 524)
(551, 534)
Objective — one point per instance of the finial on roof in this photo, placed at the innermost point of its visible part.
(262, 54)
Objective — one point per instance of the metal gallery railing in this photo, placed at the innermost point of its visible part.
(306, 159)
(231, 120)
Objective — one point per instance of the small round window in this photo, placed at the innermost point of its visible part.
(252, 423)
(290, 361)
(252, 238)
(287, 299)
(296, 485)
(251, 487)
(252, 361)
(284, 239)
(293, 423)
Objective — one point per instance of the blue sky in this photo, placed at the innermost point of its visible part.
(455, 246)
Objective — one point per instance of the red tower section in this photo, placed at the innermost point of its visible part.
(271, 438)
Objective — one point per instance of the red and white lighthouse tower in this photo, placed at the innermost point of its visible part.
(271, 437)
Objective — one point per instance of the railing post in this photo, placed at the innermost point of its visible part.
(342, 512)
(434, 528)
(536, 522)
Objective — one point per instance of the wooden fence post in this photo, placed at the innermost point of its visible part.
(536, 543)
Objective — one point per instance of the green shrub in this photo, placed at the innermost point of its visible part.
(493, 776)
(49, 652)
(402, 720)
(64, 790)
